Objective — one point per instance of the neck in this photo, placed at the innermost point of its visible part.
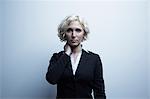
(76, 49)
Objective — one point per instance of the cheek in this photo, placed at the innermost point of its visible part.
(81, 37)
(68, 37)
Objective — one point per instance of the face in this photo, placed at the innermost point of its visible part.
(74, 34)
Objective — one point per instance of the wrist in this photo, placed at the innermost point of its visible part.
(67, 49)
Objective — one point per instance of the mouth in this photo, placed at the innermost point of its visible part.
(73, 41)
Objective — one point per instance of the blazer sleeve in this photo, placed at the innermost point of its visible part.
(56, 67)
(99, 87)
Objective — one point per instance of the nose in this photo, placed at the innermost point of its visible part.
(73, 33)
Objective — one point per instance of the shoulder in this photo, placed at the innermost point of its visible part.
(93, 57)
(91, 53)
(58, 54)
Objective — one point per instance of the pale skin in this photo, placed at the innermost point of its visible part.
(74, 36)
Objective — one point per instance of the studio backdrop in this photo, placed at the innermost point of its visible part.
(118, 33)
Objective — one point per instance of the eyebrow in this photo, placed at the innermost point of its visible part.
(74, 28)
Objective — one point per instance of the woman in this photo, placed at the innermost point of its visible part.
(75, 71)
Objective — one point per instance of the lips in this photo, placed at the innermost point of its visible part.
(74, 41)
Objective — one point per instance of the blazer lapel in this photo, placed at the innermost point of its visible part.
(82, 62)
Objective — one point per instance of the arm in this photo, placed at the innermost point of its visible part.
(56, 67)
(99, 87)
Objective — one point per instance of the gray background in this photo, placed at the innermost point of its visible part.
(119, 34)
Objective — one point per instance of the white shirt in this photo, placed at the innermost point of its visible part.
(75, 63)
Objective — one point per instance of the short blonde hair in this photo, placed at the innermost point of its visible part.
(65, 23)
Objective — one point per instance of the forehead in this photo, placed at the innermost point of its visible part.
(75, 24)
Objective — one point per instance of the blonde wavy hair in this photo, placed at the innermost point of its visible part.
(65, 23)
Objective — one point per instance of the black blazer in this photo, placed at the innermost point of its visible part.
(88, 76)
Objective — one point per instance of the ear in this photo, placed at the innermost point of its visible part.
(64, 36)
(84, 37)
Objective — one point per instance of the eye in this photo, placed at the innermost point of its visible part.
(78, 30)
(69, 30)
